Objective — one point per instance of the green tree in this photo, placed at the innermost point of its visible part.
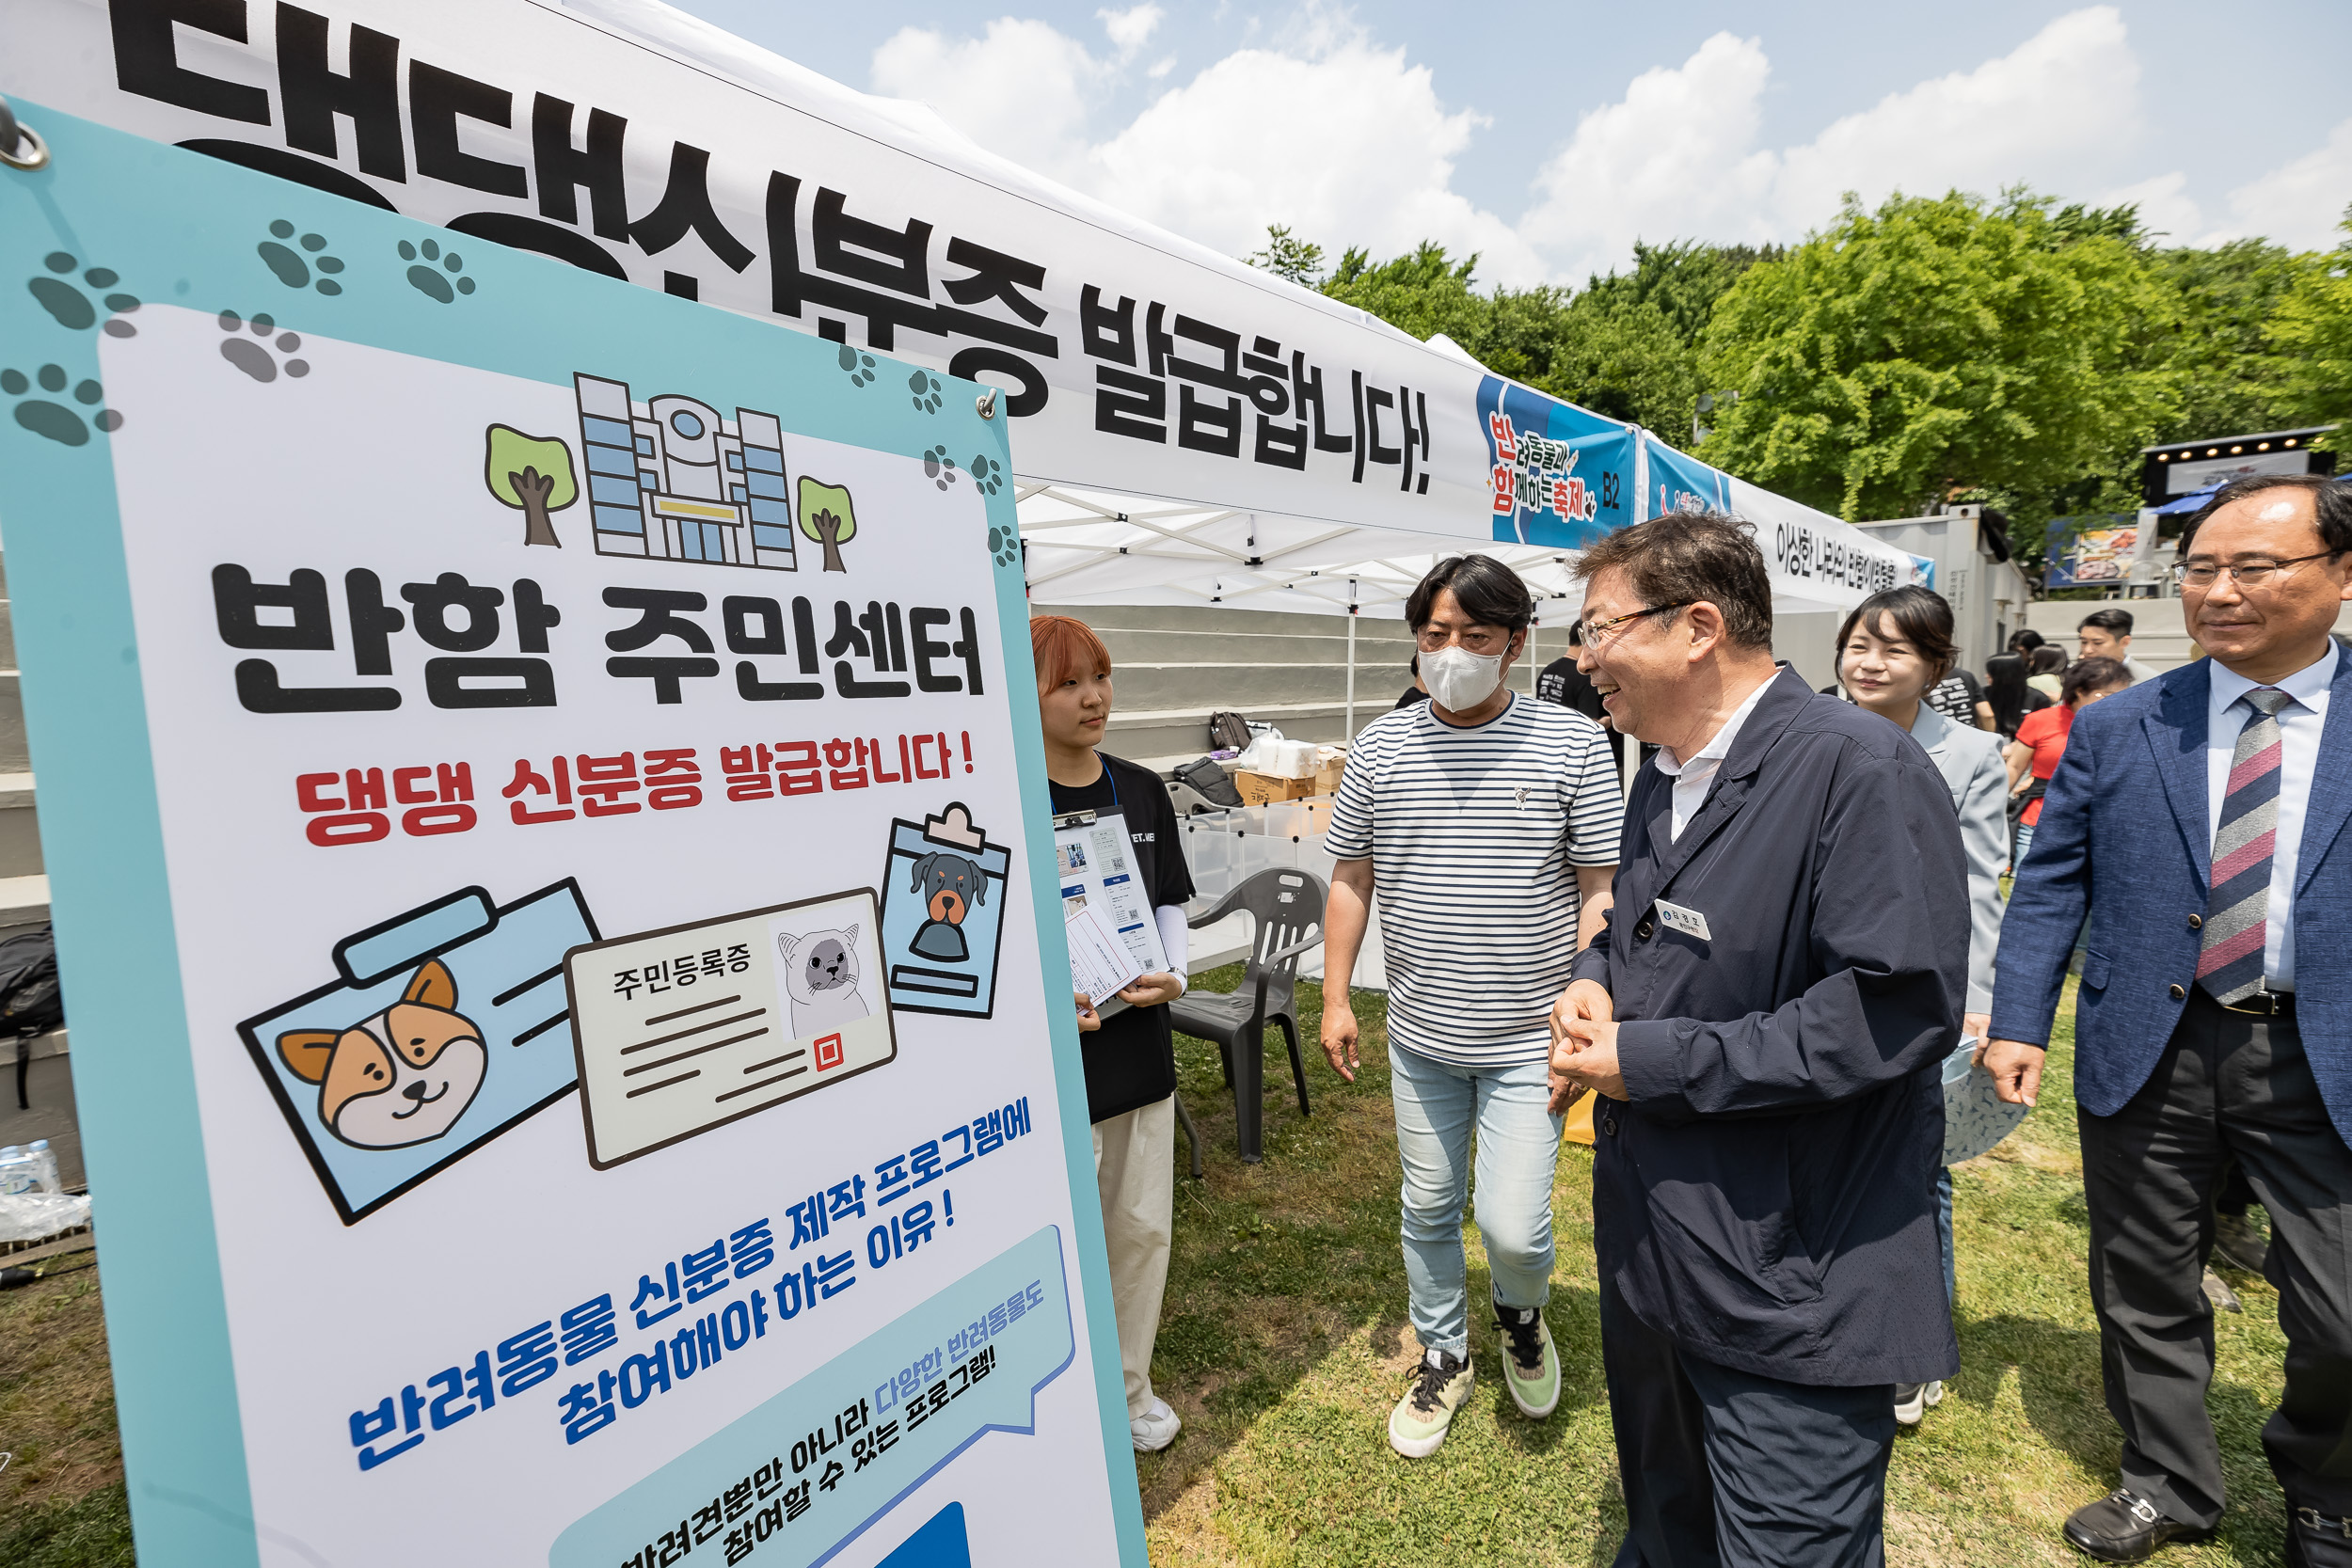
(827, 517)
(2312, 335)
(1628, 346)
(2226, 378)
(1284, 256)
(1939, 345)
(532, 474)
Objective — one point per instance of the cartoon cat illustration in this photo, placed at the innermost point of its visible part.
(821, 974)
(402, 1077)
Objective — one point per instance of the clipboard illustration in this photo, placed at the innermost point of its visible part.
(942, 914)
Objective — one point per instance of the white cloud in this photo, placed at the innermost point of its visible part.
(1677, 157)
(1315, 125)
(2166, 208)
(1349, 143)
(1322, 130)
(1021, 89)
(2048, 113)
(2299, 203)
(1131, 29)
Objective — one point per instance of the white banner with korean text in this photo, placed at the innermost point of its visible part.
(632, 140)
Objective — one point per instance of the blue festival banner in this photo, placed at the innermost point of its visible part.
(1558, 475)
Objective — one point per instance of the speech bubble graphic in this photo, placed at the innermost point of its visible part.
(813, 1467)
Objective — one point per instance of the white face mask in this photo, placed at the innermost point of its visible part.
(1460, 680)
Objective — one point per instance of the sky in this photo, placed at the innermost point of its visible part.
(1549, 138)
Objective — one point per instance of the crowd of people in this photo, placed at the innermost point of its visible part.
(1751, 971)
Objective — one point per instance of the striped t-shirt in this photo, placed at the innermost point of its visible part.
(1473, 835)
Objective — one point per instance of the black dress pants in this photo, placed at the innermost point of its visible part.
(1726, 1469)
(2230, 1086)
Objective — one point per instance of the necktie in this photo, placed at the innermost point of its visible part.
(2237, 909)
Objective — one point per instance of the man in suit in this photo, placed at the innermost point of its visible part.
(1788, 951)
(2200, 819)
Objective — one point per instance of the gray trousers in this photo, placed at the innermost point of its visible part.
(2230, 1086)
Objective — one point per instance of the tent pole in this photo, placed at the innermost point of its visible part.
(1348, 737)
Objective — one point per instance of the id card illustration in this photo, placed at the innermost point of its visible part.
(691, 1027)
(444, 1028)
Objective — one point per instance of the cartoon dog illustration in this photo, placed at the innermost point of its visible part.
(951, 886)
(402, 1077)
(821, 973)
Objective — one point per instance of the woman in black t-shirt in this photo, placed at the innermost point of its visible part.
(1130, 1056)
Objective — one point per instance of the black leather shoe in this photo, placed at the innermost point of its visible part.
(2315, 1540)
(2125, 1527)
(2237, 1242)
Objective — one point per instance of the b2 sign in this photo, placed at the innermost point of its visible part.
(481, 711)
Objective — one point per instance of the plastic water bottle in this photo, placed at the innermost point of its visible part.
(46, 1163)
(20, 1171)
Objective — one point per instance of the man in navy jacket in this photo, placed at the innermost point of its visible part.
(1782, 976)
(2200, 819)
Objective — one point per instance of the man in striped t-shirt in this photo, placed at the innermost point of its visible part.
(1486, 824)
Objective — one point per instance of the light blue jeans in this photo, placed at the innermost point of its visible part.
(1437, 1106)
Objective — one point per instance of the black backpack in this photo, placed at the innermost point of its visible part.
(1213, 783)
(31, 1002)
(1228, 732)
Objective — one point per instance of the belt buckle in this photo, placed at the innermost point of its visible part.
(2272, 1003)
(2313, 1520)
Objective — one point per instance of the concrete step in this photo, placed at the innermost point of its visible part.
(20, 827)
(1179, 647)
(23, 901)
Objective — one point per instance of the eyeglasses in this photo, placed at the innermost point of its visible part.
(2246, 574)
(1592, 634)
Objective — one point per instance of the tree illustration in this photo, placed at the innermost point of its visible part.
(827, 517)
(533, 474)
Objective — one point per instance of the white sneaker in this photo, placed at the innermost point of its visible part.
(1913, 1400)
(1156, 1428)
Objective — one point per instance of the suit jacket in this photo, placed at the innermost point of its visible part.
(1765, 1196)
(2126, 832)
(1970, 760)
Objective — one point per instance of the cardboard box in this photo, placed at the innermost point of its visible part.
(1264, 789)
(1327, 780)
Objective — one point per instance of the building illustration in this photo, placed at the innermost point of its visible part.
(678, 482)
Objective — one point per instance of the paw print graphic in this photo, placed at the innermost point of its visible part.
(926, 389)
(69, 304)
(289, 264)
(1004, 544)
(859, 366)
(987, 473)
(55, 420)
(427, 281)
(939, 468)
(255, 359)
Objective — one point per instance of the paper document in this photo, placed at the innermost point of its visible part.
(1097, 866)
(1100, 963)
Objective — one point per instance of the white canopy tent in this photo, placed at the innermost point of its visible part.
(1187, 429)
(1182, 424)
(1085, 546)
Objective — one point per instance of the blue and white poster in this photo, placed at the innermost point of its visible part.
(491, 720)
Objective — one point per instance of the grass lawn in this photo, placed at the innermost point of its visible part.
(1285, 1342)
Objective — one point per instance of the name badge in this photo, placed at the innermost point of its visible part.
(1689, 922)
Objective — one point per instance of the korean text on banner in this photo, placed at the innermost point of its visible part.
(485, 716)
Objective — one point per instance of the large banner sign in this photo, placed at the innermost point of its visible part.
(631, 141)
(534, 773)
